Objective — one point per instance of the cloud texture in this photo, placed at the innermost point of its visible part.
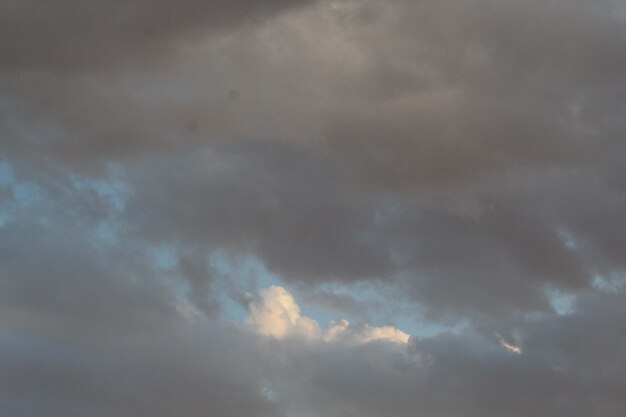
(391, 167)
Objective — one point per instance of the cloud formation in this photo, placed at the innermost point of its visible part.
(275, 313)
(463, 160)
(87, 36)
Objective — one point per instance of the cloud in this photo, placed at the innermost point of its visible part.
(463, 373)
(275, 313)
(509, 346)
(188, 369)
(466, 156)
(92, 35)
(440, 157)
(342, 330)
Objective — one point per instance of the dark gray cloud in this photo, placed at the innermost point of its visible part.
(494, 247)
(468, 373)
(92, 323)
(340, 303)
(466, 158)
(250, 198)
(78, 36)
(186, 370)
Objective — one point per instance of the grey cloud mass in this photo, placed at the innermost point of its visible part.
(461, 160)
(92, 35)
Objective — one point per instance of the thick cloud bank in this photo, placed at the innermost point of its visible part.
(312, 208)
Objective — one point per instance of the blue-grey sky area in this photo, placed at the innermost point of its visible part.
(312, 208)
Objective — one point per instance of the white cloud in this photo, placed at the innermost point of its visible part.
(343, 331)
(275, 313)
(509, 346)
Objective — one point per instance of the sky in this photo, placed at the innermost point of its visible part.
(312, 208)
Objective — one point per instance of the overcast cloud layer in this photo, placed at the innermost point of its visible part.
(264, 208)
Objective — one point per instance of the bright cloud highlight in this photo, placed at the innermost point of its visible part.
(275, 313)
